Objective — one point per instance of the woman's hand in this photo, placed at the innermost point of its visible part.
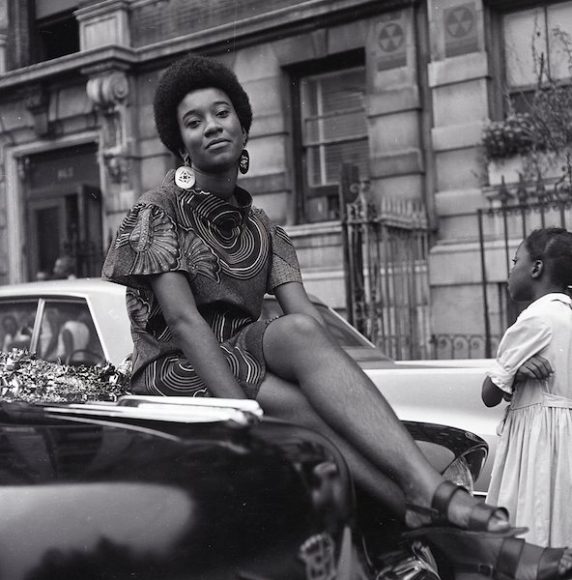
(194, 335)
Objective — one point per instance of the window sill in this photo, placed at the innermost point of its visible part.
(512, 168)
(314, 229)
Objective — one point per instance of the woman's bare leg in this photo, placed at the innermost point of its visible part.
(284, 400)
(299, 350)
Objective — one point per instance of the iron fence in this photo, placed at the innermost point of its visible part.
(385, 261)
(513, 213)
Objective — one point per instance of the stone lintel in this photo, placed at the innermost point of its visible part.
(458, 69)
(271, 183)
(100, 9)
(394, 101)
(404, 162)
(460, 136)
(459, 201)
(104, 58)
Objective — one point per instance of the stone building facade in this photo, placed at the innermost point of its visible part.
(400, 88)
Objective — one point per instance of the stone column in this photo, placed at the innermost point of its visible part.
(4, 22)
(458, 79)
(396, 162)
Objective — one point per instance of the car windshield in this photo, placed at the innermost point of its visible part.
(342, 331)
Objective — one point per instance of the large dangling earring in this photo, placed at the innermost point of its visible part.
(185, 176)
(244, 162)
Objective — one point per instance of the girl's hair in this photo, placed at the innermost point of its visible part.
(554, 247)
(189, 74)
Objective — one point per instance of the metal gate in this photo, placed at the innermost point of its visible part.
(385, 264)
(513, 214)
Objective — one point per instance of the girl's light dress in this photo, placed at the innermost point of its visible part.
(532, 472)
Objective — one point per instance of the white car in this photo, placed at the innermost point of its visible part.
(439, 392)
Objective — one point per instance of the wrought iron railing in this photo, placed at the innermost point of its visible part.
(513, 213)
(385, 260)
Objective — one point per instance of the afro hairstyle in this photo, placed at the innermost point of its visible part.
(189, 74)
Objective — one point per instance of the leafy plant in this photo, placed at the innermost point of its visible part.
(545, 130)
(512, 136)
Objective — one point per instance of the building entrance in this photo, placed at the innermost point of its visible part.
(64, 212)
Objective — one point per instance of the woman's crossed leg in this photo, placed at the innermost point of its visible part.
(330, 393)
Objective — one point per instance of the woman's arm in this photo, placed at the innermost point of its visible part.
(194, 335)
(292, 298)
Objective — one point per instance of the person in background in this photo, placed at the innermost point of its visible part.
(10, 328)
(197, 257)
(73, 337)
(64, 268)
(532, 472)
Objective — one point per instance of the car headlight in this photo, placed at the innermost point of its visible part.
(460, 474)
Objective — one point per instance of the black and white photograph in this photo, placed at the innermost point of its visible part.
(285, 289)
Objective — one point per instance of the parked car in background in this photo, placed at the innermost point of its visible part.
(437, 392)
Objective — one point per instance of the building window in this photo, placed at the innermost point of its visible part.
(55, 29)
(537, 46)
(333, 131)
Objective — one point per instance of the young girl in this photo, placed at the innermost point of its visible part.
(532, 473)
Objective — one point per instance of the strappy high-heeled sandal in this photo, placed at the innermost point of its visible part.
(496, 556)
(479, 519)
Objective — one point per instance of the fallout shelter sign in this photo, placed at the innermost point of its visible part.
(391, 50)
(461, 33)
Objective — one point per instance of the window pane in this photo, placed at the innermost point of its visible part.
(354, 152)
(522, 101)
(343, 91)
(559, 17)
(324, 162)
(334, 124)
(17, 323)
(342, 126)
(68, 334)
(524, 43)
(314, 166)
(50, 7)
(309, 97)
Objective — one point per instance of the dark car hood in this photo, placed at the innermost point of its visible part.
(90, 494)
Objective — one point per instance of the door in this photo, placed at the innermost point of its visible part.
(64, 211)
(67, 225)
(46, 229)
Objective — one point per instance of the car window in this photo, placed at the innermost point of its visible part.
(67, 333)
(17, 323)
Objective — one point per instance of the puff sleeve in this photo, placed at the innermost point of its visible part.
(525, 338)
(284, 266)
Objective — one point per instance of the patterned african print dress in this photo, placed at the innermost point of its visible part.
(231, 257)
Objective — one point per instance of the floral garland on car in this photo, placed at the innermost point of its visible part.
(23, 377)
